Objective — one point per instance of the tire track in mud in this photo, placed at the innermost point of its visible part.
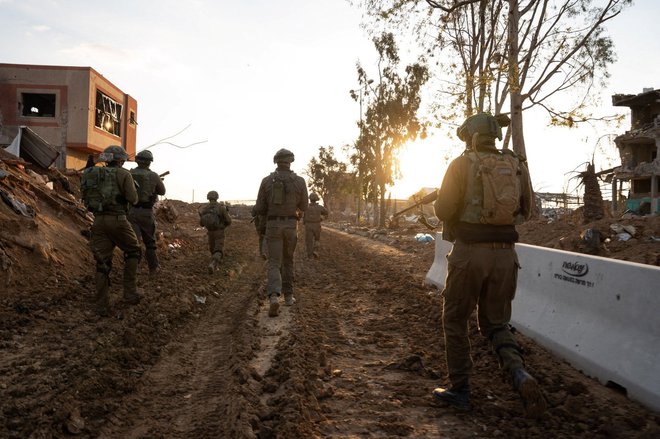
(357, 362)
(357, 356)
(194, 390)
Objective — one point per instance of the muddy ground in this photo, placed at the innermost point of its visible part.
(357, 356)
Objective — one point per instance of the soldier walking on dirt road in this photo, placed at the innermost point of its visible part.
(314, 214)
(484, 194)
(141, 216)
(282, 198)
(215, 218)
(108, 191)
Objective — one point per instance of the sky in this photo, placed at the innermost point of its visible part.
(247, 78)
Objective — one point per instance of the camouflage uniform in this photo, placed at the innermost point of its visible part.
(281, 226)
(260, 226)
(482, 274)
(216, 236)
(141, 215)
(111, 228)
(314, 214)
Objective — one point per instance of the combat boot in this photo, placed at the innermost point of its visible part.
(131, 295)
(274, 309)
(530, 393)
(458, 398)
(289, 300)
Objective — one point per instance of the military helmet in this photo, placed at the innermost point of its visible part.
(484, 124)
(283, 155)
(114, 153)
(144, 156)
(313, 197)
(212, 195)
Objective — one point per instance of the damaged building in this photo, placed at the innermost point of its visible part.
(638, 148)
(63, 114)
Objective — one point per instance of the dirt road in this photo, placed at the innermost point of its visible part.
(357, 356)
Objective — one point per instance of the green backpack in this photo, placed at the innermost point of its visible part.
(99, 189)
(493, 190)
(209, 216)
(146, 185)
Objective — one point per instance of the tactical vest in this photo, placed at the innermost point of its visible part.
(313, 213)
(493, 189)
(146, 186)
(211, 216)
(100, 190)
(282, 198)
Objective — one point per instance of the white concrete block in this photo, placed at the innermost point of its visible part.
(600, 314)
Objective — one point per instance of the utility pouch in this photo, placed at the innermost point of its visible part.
(277, 195)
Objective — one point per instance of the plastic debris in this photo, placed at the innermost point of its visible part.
(424, 237)
(18, 206)
(623, 236)
(199, 299)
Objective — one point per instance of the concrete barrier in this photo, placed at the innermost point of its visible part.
(599, 314)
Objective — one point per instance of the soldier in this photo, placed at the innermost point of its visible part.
(484, 194)
(141, 216)
(107, 192)
(314, 214)
(282, 197)
(260, 226)
(215, 218)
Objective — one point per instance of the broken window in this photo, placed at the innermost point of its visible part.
(38, 104)
(108, 114)
(131, 118)
(642, 186)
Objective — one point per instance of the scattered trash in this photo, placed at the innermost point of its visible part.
(199, 299)
(424, 237)
(623, 236)
(18, 206)
(618, 228)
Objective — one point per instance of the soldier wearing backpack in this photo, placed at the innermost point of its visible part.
(141, 216)
(484, 194)
(282, 198)
(215, 218)
(108, 191)
(314, 214)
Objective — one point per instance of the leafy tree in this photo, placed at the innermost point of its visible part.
(513, 54)
(327, 175)
(390, 119)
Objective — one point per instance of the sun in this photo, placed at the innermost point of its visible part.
(423, 163)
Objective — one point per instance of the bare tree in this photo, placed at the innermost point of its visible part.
(515, 52)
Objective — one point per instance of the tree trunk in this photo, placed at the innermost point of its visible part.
(593, 197)
(517, 136)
